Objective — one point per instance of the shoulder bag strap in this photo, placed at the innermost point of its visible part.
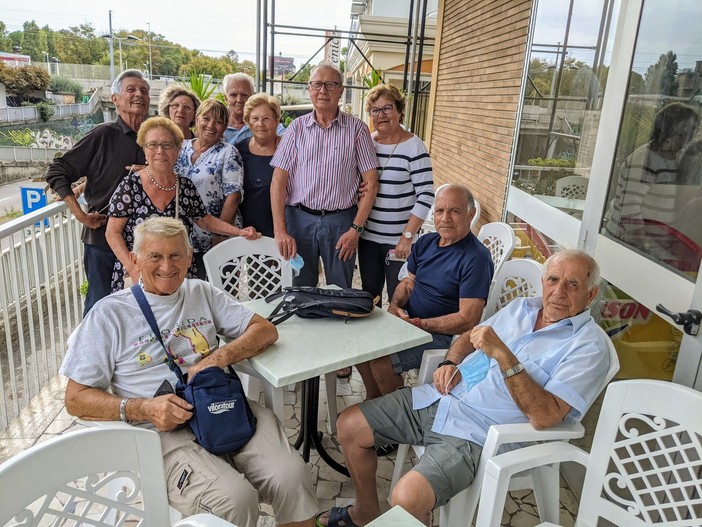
(149, 315)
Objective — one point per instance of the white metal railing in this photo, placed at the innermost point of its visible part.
(30, 113)
(41, 271)
(27, 153)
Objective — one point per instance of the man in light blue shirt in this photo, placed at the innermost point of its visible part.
(238, 87)
(544, 360)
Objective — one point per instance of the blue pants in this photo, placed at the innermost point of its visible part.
(412, 358)
(315, 237)
(98, 260)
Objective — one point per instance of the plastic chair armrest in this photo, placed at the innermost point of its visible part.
(430, 360)
(510, 463)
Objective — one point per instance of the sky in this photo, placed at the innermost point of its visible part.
(213, 27)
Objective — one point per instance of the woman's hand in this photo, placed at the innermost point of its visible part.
(249, 233)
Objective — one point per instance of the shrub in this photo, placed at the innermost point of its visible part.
(46, 110)
(59, 83)
(23, 81)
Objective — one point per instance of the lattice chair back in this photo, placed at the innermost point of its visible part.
(63, 481)
(500, 239)
(516, 278)
(572, 187)
(248, 269)
(645, 465)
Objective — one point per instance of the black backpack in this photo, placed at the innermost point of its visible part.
(315, 302)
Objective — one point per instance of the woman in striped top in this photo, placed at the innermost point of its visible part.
(405, 195)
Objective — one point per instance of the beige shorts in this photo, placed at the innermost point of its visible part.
(230, 485)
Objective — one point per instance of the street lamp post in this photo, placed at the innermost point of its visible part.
(150, 59)
(112, 51)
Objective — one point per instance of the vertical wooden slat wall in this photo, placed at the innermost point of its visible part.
(477, 75)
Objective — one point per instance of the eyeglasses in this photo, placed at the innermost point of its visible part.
(162, 146)
(184, 107)
(329, 85)
(387, 110)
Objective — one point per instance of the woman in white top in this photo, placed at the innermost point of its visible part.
(404, 198)
(405, 195)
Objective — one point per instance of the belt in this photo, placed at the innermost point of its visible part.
(316, 212)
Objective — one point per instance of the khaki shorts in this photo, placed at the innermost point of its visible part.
(230, 486)
(448, 463)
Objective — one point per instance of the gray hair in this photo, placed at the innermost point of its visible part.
(593, 269)
(160, 227)
(458, 188)
(237, 77)
(117, 83)
(329, 66)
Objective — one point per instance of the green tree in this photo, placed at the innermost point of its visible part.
(5, 40)
(34, 42)
(661, 77)
(23, 81)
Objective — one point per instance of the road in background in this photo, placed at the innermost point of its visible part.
(11, 197)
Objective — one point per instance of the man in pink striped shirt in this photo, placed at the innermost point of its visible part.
(318, 168)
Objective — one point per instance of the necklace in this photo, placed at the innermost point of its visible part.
(165, 189)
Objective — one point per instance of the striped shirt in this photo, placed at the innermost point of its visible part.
(406, 187)
(325, 164)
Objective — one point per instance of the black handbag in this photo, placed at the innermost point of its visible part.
(222, 420)
(315, 302)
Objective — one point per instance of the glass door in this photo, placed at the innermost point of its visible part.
(647, 212)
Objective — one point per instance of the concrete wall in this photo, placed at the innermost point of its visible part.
(11, 171)
(478, 72)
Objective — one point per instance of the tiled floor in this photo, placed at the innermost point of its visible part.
(47, 417)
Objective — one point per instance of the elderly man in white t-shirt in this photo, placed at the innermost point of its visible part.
(115, 366)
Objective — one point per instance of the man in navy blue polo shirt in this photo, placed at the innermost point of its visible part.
(445, 292)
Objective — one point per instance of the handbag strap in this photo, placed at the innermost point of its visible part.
(138, 293)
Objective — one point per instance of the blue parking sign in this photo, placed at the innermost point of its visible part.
(33, 198)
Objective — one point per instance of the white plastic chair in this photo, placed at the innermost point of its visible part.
(249, 270)
(460, 510)
(516, 278)
(643, 468)
(65, 480)
(500, 240)
(572, 187)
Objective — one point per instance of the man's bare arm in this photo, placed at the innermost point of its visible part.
(166, 412)
(279, 186)
(258, 336)
(400, 298)
(470, 311)
(542, 408)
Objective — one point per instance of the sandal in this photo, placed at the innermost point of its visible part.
(338, 517)
(344, 373)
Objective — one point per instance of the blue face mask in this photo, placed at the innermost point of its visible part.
(473, 370)
(297, 264)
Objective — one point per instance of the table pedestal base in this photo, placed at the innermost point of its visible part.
(310, 436)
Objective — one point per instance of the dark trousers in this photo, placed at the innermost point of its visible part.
(316, 237)
(374, 271)
(99, 261)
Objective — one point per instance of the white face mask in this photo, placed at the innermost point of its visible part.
(473, 370)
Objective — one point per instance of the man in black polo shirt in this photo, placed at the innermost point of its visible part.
(101, 156)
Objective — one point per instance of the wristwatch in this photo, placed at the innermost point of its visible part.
(514, 370)
(408, 235)
(446, 363)
(358, 228)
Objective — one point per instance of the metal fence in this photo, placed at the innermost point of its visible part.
(31, 113)
(40, 276)
(24, 153)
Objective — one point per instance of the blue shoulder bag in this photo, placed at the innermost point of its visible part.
(222, 419)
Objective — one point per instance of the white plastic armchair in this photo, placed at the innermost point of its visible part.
(460, 510)
(643, 468)
(64, 480)
(249, 270)
(516, 278)
(500, 239)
